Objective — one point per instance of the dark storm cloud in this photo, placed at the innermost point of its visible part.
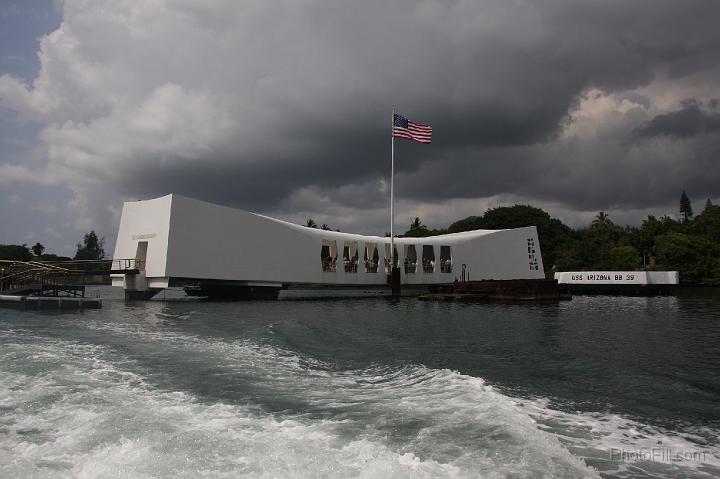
(247, 104)
(689, 121)
(514, 92)
(584, 176)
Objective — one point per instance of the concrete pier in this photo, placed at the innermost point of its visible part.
(49, 302)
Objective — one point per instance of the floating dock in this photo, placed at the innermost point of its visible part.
(36, 285)
(48, 302)
(514, 290)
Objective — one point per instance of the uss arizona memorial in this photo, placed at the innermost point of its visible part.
(210, 249)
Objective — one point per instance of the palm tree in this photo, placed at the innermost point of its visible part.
(310, 223)
(602, 218)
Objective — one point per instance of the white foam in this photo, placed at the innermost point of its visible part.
(88, 415)
(602, 438)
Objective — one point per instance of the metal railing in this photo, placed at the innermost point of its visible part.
(127, 264)
(58, 277)
(91, 267)
(33, 278)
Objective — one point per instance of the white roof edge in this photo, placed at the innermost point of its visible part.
(339, 234)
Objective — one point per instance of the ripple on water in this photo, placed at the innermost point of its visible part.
(399, 422)
(153, 391)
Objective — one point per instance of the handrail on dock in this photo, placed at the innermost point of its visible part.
(27, 277)
(55, 277)
(124, 264)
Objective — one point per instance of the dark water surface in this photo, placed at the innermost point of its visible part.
(599, 386)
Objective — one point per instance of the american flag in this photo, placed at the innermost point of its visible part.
(402, 128)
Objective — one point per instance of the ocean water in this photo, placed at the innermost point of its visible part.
(594, 387)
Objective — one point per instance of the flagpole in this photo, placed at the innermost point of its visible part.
(392, 192)
(394, 270)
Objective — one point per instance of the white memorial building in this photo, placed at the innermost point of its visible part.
(177, 241)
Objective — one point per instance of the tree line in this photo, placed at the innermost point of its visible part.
(690, 245)
(90, 248)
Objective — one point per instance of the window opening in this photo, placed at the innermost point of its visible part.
(350, 256)
(328, 256)
(371, 257)
(388, 268)
(410, 260)
(445, 259)
(428, 258)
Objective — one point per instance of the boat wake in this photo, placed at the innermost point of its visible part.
(237, 407)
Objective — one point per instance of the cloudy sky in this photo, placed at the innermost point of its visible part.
(284, 108)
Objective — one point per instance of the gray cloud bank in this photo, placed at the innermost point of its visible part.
(284, 106)
(689, 121)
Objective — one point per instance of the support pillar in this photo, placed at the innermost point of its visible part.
(144, 295)
(395, 281)
(136, 287)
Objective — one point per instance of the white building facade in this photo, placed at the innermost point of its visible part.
(175, 241)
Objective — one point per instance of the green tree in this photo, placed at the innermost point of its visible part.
(707, 223)
(708, 204)
(685, 207)
(697, 258)
(600, 239)
(623, 258)
(417, 230)
(601, 219)
(91, 247)
(15, 252)
(466, 224)
(553, 233)
(310, 223)
(574, 255)
(653, 227)
(604, 232)
(38, 249)
(325, 227)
